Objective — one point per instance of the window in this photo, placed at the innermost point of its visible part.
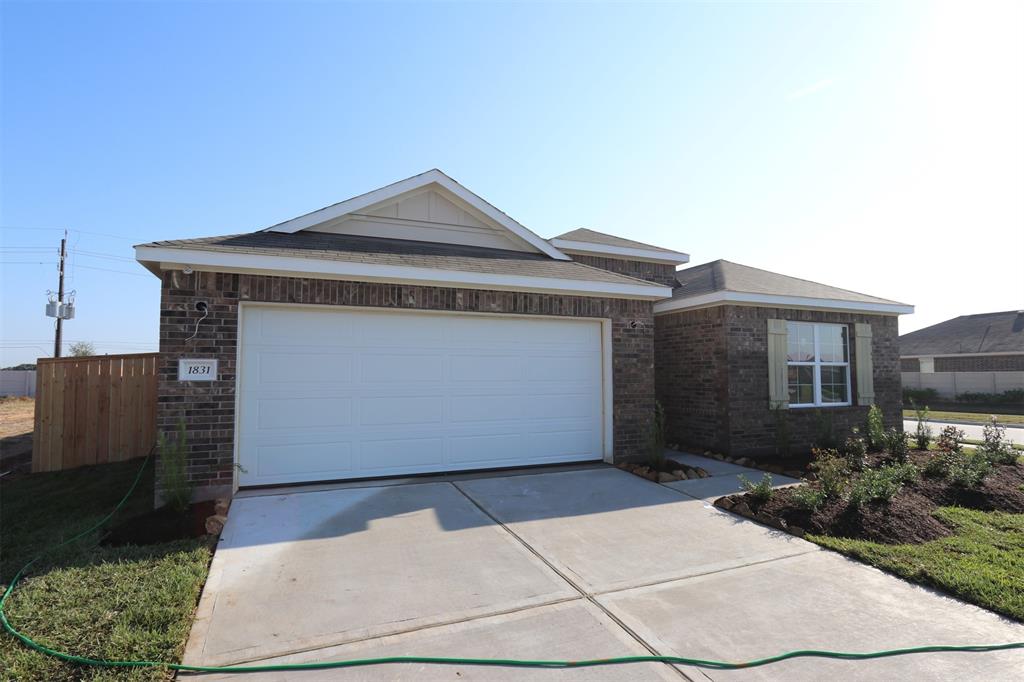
(817, 364)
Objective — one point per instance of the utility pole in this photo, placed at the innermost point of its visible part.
(60, 295)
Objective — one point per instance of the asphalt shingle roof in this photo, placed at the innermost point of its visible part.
(594, 237)
(982, 333)
(379, 251)
(723, 275)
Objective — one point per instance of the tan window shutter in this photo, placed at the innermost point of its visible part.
(865, 364)
(778, 383)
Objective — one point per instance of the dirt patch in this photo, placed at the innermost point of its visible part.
(17, 417)
(161, 525)
(906, 519)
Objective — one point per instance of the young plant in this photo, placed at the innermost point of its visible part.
(949, 439)
(923, 432)
(995, 448)
(761, 491)
(782, 444)
(897, 444)
(807, 497)
(826, 439)
(855, 450)
(878, 485)
(875, 429)
(832, 472)
(967, 469)
(656, 445)
(173, 458)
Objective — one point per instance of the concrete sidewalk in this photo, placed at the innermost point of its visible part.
(571, 564)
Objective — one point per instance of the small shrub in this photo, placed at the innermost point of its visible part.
(875, 429)
(855, 449)
(176, 488)
(878, 485)
(949, 439)
(826, 439)
(967, 469)
(761, 491)
(919, 395)
(897, 444)
(782, 444)
(1011, 397)
(807, 497)
(994, 447)
(656, 445)
(832, 472)
(923, 432)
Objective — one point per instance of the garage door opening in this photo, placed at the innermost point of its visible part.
(343, 393)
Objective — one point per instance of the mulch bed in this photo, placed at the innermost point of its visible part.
(907, 518)
(161, 525)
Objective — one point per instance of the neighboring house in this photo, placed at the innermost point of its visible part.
(981, 353)
(987, 342)
(419, 329)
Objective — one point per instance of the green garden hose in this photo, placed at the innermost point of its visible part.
(503, 662)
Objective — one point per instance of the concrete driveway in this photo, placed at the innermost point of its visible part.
(566, 564)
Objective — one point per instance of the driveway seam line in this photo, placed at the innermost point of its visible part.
(706, 573)
(583, 593)
(419, 628)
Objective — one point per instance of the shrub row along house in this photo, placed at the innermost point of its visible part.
(417, 329)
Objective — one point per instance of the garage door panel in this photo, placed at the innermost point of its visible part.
(401, 410)
(486, 368)
(303, 368)
(348, 394)
(401, 368)
(303, 413)
(300, 461)
(485, 449)
(401, 454)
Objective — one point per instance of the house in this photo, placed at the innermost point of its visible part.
(981, 353)
(418, 329)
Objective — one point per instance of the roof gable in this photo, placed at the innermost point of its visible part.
(592, 242)
(428, 207)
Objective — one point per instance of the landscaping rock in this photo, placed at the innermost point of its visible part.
(744, 461)
(702, 473)
(742, 509)
(215, 524)
(666, 478)
(725, 503)
(719, 457)
(221, 505)
(680, 474)
(797, 531)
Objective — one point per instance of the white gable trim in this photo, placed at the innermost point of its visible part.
(635, 253)
(157, 259)
(356, 204)
(774, 300)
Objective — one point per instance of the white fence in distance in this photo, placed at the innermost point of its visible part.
(952, 384)
(18, 382)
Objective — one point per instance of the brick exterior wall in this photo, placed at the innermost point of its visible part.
(746, 425)
(652, 272)
(985, 363)
(209, 408)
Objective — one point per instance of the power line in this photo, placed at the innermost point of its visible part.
(120, 272)
(61, 229)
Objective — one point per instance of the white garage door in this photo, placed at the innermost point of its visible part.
(329, 394)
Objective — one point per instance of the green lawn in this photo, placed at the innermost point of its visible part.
(1008, 419)
(102, 602)
(982, 563)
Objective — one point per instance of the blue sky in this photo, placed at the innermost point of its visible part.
(877, 147)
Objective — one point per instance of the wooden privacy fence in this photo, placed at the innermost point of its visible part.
(94, 410)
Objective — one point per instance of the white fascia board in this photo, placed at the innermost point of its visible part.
(215, 261)
(651, 255)
(743, 298)
(356, 204)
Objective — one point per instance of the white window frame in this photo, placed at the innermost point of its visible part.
(817, 364)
